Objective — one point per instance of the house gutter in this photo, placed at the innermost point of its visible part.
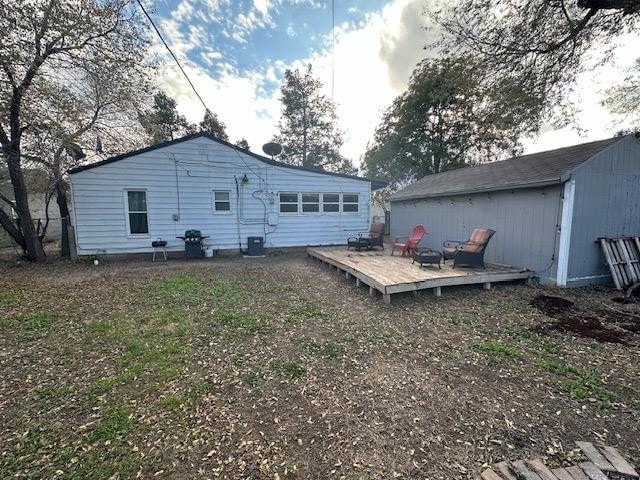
(545, 183)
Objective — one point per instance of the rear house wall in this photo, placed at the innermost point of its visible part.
(180, 179)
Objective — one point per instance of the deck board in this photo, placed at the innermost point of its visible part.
(395, 274)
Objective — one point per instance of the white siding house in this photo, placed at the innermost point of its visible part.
(198, 182)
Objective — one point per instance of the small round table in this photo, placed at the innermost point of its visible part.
(423, 256)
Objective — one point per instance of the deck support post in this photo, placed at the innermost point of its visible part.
(372, 292)
(347, 275)
(387, 298)
(486, 285)
(437, 291)
(357, 282)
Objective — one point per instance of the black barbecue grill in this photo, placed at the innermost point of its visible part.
(193, 243)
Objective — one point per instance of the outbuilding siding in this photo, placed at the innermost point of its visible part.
(526, 224)
(607, 203)
(179, 180)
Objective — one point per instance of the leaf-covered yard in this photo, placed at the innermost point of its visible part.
(278, 368)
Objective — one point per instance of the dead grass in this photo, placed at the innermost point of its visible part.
(277, 368)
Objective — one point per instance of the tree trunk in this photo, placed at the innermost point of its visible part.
(32, 242)
(63, 207)
(11, 229)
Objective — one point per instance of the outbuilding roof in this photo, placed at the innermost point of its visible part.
(534, 170)
(375, 184)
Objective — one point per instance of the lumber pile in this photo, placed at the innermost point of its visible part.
(623, 257)
(604, 463)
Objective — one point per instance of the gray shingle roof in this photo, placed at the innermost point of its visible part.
(537, 169)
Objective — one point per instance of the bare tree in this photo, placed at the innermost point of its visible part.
(85, 119)
(45, 43)
(542, 43)
(624, 99)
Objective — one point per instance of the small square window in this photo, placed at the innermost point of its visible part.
(331, 202)
(222, 201)
(310, 202)
(350, 202)
(289, 203)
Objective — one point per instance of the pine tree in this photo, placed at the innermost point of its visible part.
(162, 121)
(308, 132)
(212, 124)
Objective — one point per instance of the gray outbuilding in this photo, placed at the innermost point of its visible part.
(547, 208)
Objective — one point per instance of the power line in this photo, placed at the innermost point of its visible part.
(206, 109)
(333, 48)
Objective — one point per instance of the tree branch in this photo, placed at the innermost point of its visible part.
(7, 199)
(11, 229)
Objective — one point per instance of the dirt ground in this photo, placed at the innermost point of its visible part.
(279, 368)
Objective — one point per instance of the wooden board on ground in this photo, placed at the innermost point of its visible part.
(618, 461)
(593, 472)
(623, 258)
(562, 474)
(395, 274)
(541, 469)
(603, 459)
(490, 475)
(505, 471)
(577, 473)
(524, 471)
(595, 456)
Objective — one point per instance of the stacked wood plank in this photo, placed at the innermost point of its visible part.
(604, 463)
(623, 257)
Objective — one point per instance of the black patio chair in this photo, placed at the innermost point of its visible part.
(471, 252)
(369, 240)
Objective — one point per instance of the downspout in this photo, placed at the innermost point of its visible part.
(238, 213)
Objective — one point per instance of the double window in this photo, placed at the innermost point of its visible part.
(137, 210)
(222, 201)
(318, 202)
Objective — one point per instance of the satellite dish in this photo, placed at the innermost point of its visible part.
(272, 149)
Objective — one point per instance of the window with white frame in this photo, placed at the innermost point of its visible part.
(331, 202)
(137, 210)
(310, 202)
(222, 201)
(350, 202)
(288, 203)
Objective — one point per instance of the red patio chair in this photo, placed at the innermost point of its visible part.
(411, 242)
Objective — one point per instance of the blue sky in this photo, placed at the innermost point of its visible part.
(251, 34)
(236, 52)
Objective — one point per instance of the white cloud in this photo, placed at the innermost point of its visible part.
(373, 62)
(262, 6)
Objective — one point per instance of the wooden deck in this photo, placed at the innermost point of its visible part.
(394, 274)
